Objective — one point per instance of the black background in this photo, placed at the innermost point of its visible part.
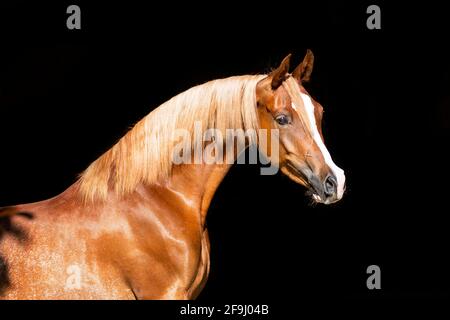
(67, 95)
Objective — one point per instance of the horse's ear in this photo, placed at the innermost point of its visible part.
(279, 74)
(303, 72)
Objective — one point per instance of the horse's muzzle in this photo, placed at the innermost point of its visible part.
(324, 191)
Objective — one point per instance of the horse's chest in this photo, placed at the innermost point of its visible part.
(192, 268)
(201, 274)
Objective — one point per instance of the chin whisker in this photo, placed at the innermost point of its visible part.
(312, 201)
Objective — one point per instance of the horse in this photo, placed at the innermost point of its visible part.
(133, 225)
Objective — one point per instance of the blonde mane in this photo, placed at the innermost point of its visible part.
(144, 154)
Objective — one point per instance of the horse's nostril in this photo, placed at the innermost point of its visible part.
(330, 186)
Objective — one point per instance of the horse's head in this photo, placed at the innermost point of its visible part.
(284, 104)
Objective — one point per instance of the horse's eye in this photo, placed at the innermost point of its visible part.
(282, 119)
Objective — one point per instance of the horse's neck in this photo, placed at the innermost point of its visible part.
(194, 185)
(198, 183)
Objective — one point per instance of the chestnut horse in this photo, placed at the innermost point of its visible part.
(133, 225)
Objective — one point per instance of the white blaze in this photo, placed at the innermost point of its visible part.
(338, 172)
